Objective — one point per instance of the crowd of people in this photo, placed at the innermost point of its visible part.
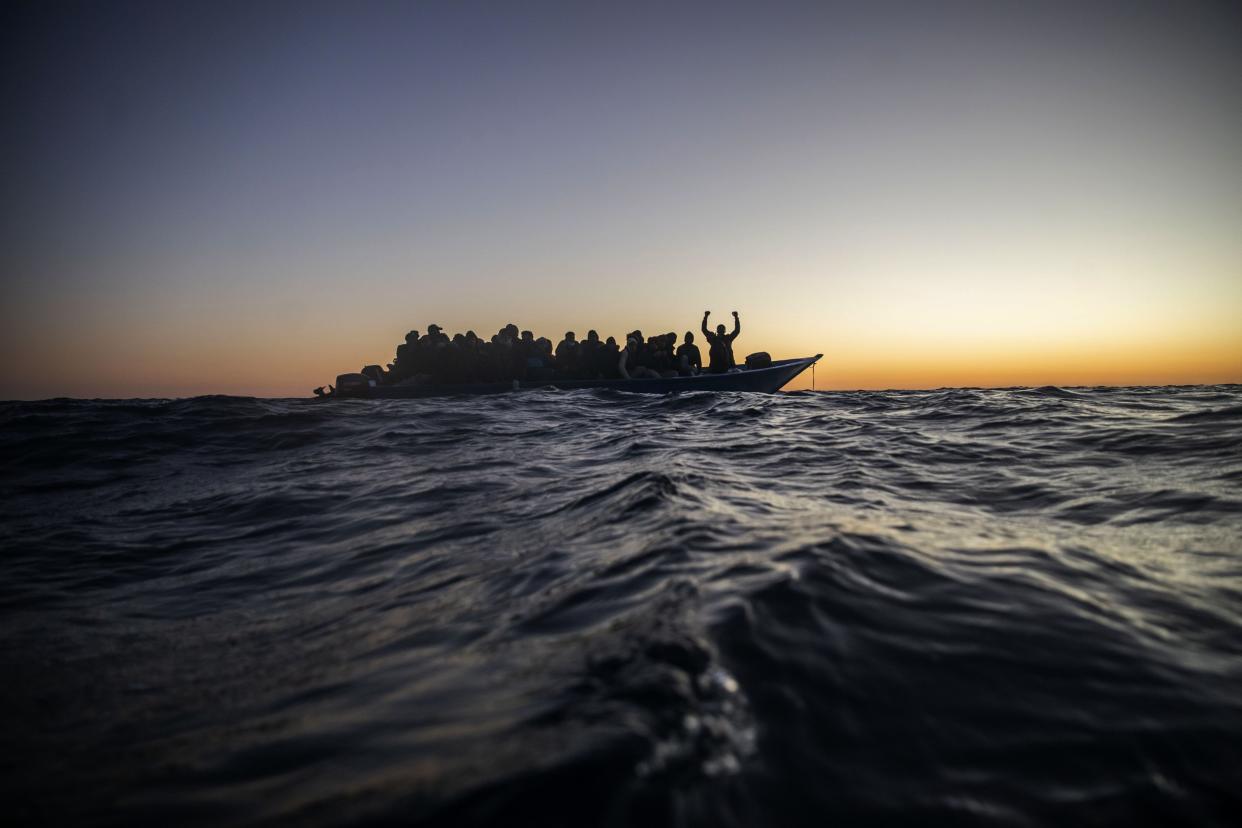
(511, 354)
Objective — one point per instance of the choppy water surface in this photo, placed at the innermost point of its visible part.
(1010, 607)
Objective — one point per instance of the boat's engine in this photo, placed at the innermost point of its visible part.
(354, 385)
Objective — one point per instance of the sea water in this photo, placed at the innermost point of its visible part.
(1006, 607)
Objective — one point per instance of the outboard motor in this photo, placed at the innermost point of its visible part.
(354, 385)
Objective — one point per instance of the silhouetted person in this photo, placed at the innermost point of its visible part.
(641, 351)
(567, 355)
(688, 355)
(606, 359)
(539, 363)
(501, 367)
(403, 365)
(523, 351)
(721, 343)
(587, 353)
(628, 362)
(661, 349)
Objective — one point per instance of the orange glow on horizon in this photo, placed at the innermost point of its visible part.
(999, 198)
(168, 365)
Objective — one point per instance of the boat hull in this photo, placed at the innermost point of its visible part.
(761, 380)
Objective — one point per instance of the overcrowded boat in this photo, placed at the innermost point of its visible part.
(435, 364)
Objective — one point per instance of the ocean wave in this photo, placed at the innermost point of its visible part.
(1011, 606)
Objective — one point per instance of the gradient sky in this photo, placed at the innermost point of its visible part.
(251, 198)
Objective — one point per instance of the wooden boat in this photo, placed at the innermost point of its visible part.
(766, 380)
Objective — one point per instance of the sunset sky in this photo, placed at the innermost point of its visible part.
(251, 198)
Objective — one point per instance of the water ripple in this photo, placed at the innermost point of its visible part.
(1012, 606)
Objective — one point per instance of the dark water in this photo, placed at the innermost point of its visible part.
(1016, 607)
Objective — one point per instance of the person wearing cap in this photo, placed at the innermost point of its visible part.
(435, 335)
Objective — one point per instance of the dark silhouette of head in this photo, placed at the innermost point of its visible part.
(612, 340)
(527, 336)
(411, 337)
(592, 336)
(720, 329)
(689, 338)
(569, 336)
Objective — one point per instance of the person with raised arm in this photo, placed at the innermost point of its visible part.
(721, 343)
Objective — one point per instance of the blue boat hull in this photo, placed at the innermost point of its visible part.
(762, 380)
